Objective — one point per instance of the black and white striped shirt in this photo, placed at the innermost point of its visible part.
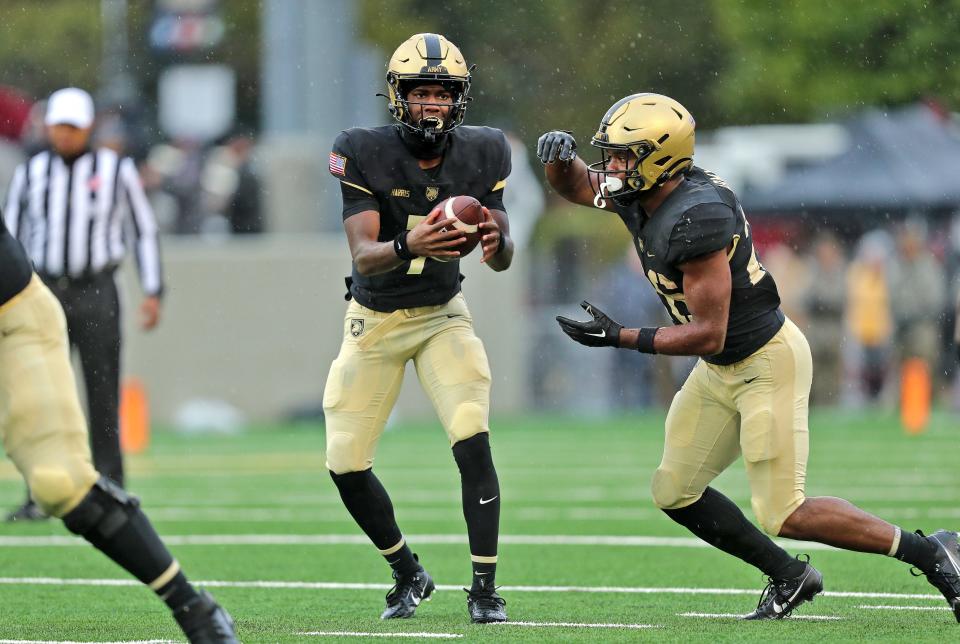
(76, 219)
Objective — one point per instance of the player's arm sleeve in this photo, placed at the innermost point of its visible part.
(146, 235)
(704, 229)
(13, 212)
(494, 198)
(354, 187)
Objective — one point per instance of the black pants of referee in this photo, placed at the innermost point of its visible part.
(92, 307)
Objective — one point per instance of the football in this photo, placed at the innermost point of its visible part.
(468, 213)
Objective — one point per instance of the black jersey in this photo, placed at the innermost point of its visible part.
(377, 172)
(701, 216)
(15, 268)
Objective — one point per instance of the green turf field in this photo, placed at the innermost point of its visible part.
(584, 554)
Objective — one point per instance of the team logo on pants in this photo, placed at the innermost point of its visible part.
(356, 327)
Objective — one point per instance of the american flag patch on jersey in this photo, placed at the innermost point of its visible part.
(338, 164)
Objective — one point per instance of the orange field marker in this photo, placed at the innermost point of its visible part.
(915, 394)
(134, 417)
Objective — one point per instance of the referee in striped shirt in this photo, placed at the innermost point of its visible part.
(77, 210)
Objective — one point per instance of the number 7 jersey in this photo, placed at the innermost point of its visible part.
(701, 216)
(377, 172)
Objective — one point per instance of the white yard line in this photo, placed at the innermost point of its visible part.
(575, 625)
(436, 636)
(736, 616)
(429, 539)
(71, 642)
(905, 607)
(326, 585)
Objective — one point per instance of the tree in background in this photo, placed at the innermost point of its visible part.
(805, 60)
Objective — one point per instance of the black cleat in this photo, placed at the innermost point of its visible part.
(782, 596)
(407, 593)
(29, 511)
(945, 574)
(486, 606)
(204, 621)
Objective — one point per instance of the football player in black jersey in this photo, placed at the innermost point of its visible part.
(749, 391)
(45, 435)
(407, 305)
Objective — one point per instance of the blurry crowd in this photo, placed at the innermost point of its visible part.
(869, 305)
(194, 187)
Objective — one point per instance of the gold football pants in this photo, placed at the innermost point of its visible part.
(757, 407)
(365, 378)
(41, 424)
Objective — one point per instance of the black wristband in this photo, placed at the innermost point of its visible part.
(645, 339)
(400, 247)
(501, 243)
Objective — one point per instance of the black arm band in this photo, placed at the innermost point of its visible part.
(645, 339)
(501, 243)
(400, 247)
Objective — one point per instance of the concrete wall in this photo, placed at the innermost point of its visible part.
(256, 322)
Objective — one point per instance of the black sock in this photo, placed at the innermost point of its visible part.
(177, 592)
(403, 560)
(718, 521)
(916, 550)
(370, 506)
(484, 577)
(481, 495)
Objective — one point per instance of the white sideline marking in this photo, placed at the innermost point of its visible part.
(430, 539)
(737, 616)
(574, 625)
(329, 585)
(436, 636)
(906, 607)
(70, 642)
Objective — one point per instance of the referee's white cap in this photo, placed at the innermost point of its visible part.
(70, 106)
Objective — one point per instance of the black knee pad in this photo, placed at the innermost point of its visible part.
(103, 511)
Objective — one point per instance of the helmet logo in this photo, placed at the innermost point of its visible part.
(435, 69)
(432, 193)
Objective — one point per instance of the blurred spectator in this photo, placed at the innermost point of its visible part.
(110, 133)
(918, 280)
(523, 198)
(14, 112)
(172, 174)
(823, 304)
(231, 185)
(868, 312)
(783, 261)
(34, 137)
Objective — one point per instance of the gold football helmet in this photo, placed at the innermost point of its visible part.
(658, 130)
(427, 59)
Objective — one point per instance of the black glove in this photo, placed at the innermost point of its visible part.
(557, 145)
(601, 331)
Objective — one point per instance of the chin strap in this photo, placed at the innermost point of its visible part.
(611, 185)
(429, 145)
